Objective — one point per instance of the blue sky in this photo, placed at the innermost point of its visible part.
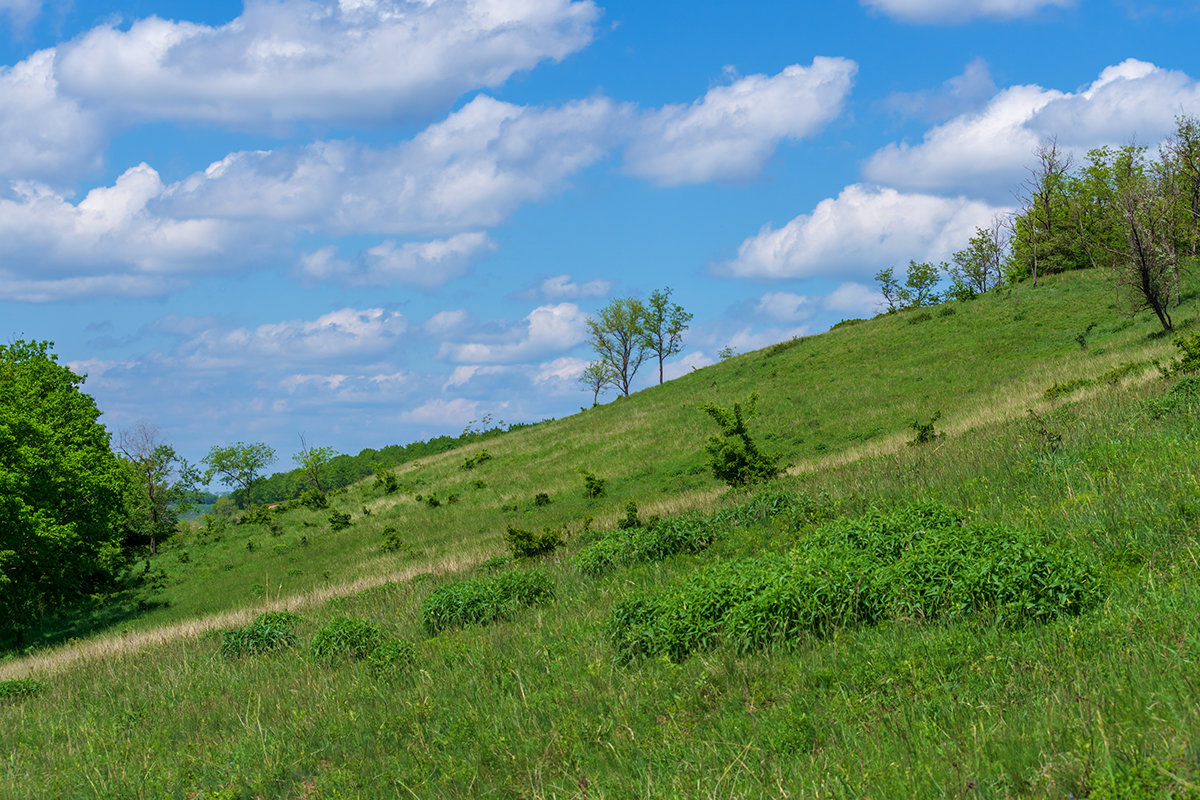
(374, 221)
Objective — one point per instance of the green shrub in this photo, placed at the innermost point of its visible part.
(733, 456)
(474, 461)
(1122, 370)
(919, 317)
(385, 479)
(541, 499)
(630, 520)
(338, 520)
(258, 515)
(1190, 361)
(1185, 395)
(918, 562)
(345, 637)
(314, 499)
(496, 563)
(20, 689)
(593, 487)
(526, 544)
(393, 655)
(925, 431)
(269, 632)
(688, 533)
(1060, 389)
(481, 601)
(392, 543)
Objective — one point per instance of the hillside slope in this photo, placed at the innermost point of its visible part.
(540, 705)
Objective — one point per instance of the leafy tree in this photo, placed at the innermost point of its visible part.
(978, 267)
(616, 333)
(597, 376)
(155, 501)
(61, 490)
(889, 287)
(238, 465)
(1044, 238)
(663, 327)
(734, 456)
(917, 290)
(313, 461)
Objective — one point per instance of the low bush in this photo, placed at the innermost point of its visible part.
(1122, 370)
(474, 461)
(258, 515)
(917, 562)
(593, 487)
(541, 499)
(345, 637)
(20, 689)
(733, 455)
(631, 519)
(925, 431)
(385, 480)
(338, 520)
(393, 655)
(1189, 362)
(392, 543)
(527, 544)
(682, 534)
(314, 499)
(1184, 395)
(1061, 389)
(269, 632)
(481, 601)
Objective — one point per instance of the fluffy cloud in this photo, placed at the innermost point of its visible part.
(562, 287)
(44, 135)
(319, 59)
(341, 334)
(470, 171)
(950, 11)
(860, 231)
(986, 152)
(854, 299)
(441, 412)
(110, 242)
(427, 264)
(732, 131)
(546, 330)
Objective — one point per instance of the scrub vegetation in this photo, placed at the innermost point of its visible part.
(1010, 609)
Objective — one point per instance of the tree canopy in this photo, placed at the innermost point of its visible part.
(61, 489)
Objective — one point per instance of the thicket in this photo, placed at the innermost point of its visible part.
(687, 533)
(916, 562)
(527, 544)
(271, 631)
(481, 601)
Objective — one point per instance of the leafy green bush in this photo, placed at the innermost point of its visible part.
(919, 561)
(1190, 361)
(496, 563)
(385, 479)
(392, 543)
(689, 533)
(630, 520)
(474, 461)
(526, 544)
(338, 520)
(314, 499)
(481, 601)
(541, 499)
(919, 317)
(733, 456)
(258, 515)
(345, 637)
(1061, 389)
(925, 431)
(1185, 394)
(393, 655)
(20, 689)
(593, 487)
(1122, 370)
(269, 632)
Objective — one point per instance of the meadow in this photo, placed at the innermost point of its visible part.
(1020, 618)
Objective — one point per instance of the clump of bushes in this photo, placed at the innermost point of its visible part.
(393, 655)
(385, 479)
(20, 689)
(593, 487)
(269, 632)
(392, 543)
(339, 520)
(1189, 362)
(631, 519)
(527, 544)
(541, 499)
(314, 499)
(1185, 394)
(474, 461)
(682, 534)
(1061, 389)
(345, 637)
(920, 561)
(481, 601)
(733, 455)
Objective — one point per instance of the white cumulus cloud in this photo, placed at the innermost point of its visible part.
(952, 11)
(427, 264)
(731, 132)
(285, 60)
(859, 232)
(546, 330)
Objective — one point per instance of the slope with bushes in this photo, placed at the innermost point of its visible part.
(1007, 609)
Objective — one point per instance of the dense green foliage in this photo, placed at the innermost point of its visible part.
(484, 600)
(62, 509)
(269, 632)
(528, 544)
(346, 637)
(734, 456)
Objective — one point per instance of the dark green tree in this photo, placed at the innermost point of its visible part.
(616, 333)
(733, 455)
(663, 327)
(238, 465)
(313, 461)
(161, 485)
(61, 490)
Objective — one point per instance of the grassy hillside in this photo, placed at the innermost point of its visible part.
(914, 699)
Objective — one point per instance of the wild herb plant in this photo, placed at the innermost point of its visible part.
(346, 637)
(482, 601)
(271, 631)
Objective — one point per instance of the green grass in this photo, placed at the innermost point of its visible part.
(1099, 701)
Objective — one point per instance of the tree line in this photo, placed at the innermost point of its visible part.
(1128, 210)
